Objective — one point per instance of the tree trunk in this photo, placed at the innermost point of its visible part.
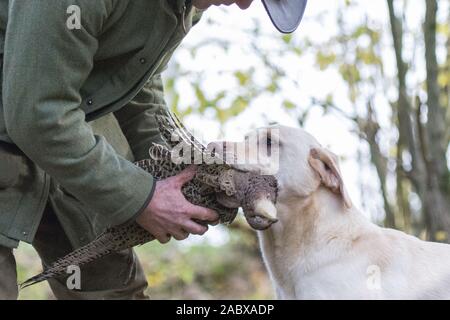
(437, 178)
(405, 115)
(426, 145)
(370, 128)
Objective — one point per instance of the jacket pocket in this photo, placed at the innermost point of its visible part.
(9, 169)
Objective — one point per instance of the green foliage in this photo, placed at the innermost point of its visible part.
(324, 60)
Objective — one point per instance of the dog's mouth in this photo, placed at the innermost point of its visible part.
(259, 222)
(260, 214)
(258, 191)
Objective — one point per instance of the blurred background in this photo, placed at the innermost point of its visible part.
(369, 79)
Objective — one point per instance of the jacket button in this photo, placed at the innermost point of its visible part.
(90, 102)
(142, 61)
(25, 233)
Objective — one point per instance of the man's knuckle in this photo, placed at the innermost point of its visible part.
(202, 230)
(178, 220)
(189, 212)
(210, 215)
(165, 240)
(182, 237)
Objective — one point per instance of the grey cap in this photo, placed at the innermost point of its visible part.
(285, 14)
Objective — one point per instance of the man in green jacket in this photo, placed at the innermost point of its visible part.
(81, 83)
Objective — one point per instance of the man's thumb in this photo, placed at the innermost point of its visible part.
(186, 175)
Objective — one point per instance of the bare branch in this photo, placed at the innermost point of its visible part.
(436, 158)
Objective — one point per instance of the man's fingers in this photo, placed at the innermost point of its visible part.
(214, 223)
(186, 175)
(201, 213)
(194, 228)
(180, 234)
(161, 236)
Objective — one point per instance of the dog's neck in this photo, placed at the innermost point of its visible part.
(311, 232)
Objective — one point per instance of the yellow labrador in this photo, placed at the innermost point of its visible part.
(322, 247)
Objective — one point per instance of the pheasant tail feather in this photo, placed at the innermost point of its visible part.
(113, 240)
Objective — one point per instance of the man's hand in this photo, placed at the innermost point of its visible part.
(170, 214)
(204, 4)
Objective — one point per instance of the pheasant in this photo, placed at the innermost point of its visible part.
(216, 186)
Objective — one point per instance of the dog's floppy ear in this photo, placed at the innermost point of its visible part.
(326, 165)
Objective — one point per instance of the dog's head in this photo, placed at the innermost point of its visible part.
(300, 164)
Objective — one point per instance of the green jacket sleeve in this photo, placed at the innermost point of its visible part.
(137, 118)
(45, 65)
